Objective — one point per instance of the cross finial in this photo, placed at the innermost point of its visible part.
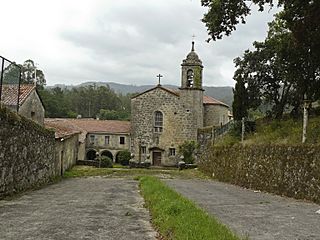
(193, 37)
(159, 76)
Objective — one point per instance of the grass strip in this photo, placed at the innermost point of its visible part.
(176, 217)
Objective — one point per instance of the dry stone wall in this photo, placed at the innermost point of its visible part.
(27, 157)
(293, 171)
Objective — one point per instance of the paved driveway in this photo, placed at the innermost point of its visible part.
(83, 208)
(257, 215)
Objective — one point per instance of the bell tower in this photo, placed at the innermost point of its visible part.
(191, 71)
(191, 92)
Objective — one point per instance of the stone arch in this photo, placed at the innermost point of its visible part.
(91, 154)
(107, 154)
(190, 76)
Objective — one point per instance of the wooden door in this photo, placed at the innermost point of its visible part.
(156, 156)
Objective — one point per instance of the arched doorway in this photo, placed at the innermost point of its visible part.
(91, 154)
(107, 154)
(117, 157)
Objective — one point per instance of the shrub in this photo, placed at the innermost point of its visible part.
(124, 157)
(105, 162)
(188, 149)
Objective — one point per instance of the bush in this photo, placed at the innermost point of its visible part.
(105, 162)
(188, 149)
(124, 157)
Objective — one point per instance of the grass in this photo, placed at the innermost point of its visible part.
(177, 218)
(88, 171)
(288, 131)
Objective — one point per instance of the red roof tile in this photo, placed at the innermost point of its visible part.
(207, 100)
(106, 126)
(61, 127)
(65, 126)
(9, 93)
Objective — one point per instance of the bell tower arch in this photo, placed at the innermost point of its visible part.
(191, 71)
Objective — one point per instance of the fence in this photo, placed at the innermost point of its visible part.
(10, 79)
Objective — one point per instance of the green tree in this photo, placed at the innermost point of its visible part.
(240, 101)
(274, 72)
(11, 74)
(29, 72)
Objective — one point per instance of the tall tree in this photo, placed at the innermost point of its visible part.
(301, 19)
(240, 101)
(273, 71)
(30, 73)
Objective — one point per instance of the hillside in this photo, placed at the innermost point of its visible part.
(279, 132)
(223, 94)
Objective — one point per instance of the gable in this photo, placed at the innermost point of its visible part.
(159, 87)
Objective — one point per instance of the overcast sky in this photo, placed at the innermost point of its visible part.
(123, 41)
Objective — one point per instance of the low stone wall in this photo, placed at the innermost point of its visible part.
(27, 157)
(293, 171)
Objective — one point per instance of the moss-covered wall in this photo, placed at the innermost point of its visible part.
(293, 171)
(27, 157)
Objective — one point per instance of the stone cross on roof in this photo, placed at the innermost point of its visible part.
(159, 76)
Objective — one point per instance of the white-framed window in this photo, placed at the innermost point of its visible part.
(158, 122)
(172, 151)
(106, 140)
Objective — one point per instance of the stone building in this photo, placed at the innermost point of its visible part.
(97, 137)
(30, 104)
(66, 145)
(162, 119)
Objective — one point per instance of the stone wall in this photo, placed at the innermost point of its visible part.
(293, 171)
(66, 152)
(27, 157)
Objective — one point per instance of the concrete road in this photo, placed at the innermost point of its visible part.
(82, 208)
(259, 216)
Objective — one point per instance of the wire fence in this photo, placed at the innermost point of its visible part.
(10, 79)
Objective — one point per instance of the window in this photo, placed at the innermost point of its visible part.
(143, 150)
(92, 138)
(33, 115)
(122, 140)
(172, 151)
(158, 121)
(106, 140)
(190, 78)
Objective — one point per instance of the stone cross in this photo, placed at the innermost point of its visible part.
(159, 76)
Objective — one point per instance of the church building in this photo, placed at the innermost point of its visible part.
(162, 119)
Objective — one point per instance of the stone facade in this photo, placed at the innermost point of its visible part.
(27, 154)
(163, 119)
(30, 104)
(215, 115)
(106, 144)
(32, 108)
(66, 152)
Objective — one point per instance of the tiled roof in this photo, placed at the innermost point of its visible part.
(65, 126)
(10, 91)
(107, 126)
(62, 127)
(207, 100)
